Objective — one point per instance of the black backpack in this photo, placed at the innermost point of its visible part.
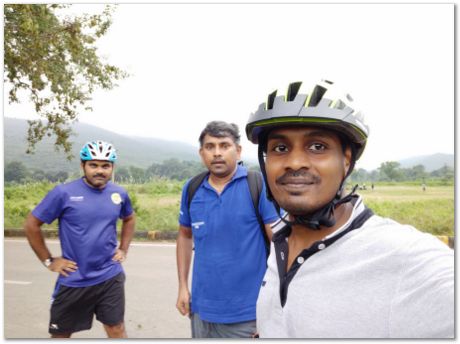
(255, 187)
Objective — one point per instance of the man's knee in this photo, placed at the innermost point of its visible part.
(61, 335)
(116, 331)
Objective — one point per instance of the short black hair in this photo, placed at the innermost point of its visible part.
(221, 129)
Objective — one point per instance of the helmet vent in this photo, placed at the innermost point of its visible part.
(340, 105)
(271, 100)
(316, 95)
(293, 90)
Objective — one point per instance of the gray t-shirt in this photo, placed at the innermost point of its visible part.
(383, 280)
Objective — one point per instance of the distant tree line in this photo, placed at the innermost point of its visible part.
(17, 172)
(390, 171)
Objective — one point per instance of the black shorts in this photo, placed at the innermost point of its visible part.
(73, 309)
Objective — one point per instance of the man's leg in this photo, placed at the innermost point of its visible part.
(71, 311)
(110, 307)
(116, 331)
(245, 329)
(200, 328)
(61, 335)
(205, 329)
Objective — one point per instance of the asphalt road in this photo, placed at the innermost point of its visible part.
(151, 291)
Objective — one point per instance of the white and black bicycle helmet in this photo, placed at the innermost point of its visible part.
(322, 105)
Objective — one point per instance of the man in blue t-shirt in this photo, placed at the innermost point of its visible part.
(230, 254)
(91, 278)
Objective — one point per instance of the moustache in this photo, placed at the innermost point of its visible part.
(302, 176)
(98, 176)
(218, 161)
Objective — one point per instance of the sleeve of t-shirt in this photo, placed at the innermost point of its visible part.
(50, 208)
(266, 208)
(127, 208)
(184, 215)
(424, 304)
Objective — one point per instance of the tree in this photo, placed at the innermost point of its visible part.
(52, 58)
(15, 171)
(121, 174)
(445, 173)
(390, 171)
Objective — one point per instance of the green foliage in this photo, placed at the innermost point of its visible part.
(21, 199)
(15, 172)
(53, 59)
(156, 204)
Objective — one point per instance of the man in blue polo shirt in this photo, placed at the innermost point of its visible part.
(91, 278)
(230, 254)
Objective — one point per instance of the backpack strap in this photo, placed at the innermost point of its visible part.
(255, 182)
(195, 182)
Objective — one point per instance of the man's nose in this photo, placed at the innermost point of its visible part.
(217, 151)
(298, 160)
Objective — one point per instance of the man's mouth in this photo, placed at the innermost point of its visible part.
(297, 180)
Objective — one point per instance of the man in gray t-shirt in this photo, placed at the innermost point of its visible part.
(336, 270)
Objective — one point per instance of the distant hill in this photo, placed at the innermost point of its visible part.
(135, 151)
(431, 162)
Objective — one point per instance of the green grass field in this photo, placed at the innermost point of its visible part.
(430, 211)
(157, 204)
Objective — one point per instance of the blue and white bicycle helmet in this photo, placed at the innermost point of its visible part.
(98, 150)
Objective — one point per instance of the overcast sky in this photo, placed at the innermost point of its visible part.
(194, 63)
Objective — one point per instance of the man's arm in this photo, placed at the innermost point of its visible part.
(184, 257)
(34, 235)
(127, 233)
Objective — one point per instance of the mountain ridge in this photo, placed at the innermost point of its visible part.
(134, 150)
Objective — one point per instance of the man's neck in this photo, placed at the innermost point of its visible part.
(303, 237)
(92, 186)
(218, 183)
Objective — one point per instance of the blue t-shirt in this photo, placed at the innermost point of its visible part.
(87, 228)
(230, 257)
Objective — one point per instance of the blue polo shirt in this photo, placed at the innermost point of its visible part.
(230, 257)
(87, 228)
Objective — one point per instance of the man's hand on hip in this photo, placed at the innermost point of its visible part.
(63, 266)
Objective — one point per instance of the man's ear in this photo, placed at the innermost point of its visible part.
(347, 160)
(238, 151)
(201, 154)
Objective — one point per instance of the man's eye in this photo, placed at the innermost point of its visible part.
(317, 147)
(280, 148)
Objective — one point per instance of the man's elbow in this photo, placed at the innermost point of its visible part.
(131, 219)
(184, 232)
(32, 225)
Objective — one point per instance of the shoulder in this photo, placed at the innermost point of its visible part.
(384, 234)
(112, 187)
(67, 187)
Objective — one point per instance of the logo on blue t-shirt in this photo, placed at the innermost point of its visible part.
(116, 198)
(76, 198)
